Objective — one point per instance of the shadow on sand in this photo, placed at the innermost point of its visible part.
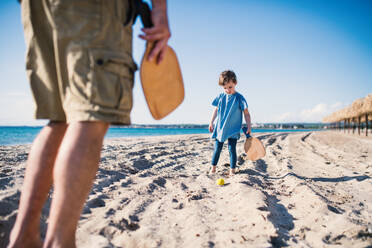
(261, 169)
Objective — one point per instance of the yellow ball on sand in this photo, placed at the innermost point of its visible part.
(220, 181)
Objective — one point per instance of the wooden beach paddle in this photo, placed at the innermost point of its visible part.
(162, 83)
(253, 147)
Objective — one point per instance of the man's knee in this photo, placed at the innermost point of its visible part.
(97, 125)
(55, 128)
(57, 124)
(97, 128)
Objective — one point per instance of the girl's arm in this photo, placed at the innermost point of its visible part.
(247, 118)
(211, 127)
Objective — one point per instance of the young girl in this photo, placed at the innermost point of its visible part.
(229, 108)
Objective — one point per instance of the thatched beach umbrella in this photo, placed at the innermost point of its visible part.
(367, 110)
(347, 114)
(360, 110)
(338, 115)
(356, 110)
(357, 106)
(326, 119)
(367, 105)
(330, 118)
(342, 116)
(335, 117)
(363, 118)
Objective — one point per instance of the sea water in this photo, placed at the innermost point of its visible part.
(16, 135)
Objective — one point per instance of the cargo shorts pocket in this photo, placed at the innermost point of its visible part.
(100, 78)
(111, 78)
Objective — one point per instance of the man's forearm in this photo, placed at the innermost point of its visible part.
(159, 4)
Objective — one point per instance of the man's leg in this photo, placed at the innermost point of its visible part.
(36, 186)
(74, 171)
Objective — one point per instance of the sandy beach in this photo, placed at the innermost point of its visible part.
(313, 189)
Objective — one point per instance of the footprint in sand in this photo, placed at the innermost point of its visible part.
(196, 195)
(110, 212)
(94, 203)
(183, 186)
(271, 141)
(142, 164)
(5, 182)
(335, 210)
(9, 204)
(291, 206)
(329, 240)
(241, 159)
(125, 225)
(160, 181)
(177, 204)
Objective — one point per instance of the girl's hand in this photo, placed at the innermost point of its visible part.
(211, 127)
(248, 134)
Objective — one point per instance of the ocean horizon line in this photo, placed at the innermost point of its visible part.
(137, 125)
(26, 134)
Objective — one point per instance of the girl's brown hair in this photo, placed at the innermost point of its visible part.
(227, 76)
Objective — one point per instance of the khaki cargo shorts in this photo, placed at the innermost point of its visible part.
(79, 59)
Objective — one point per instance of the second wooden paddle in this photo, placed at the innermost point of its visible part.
(253, 147)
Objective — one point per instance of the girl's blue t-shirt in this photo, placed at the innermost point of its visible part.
(229, 116)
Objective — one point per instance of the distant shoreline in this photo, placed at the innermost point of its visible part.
(18, 135)
(273, 125)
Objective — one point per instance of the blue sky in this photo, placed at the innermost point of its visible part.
(295, 60)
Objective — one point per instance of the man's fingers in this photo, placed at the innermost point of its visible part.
(155, 35)
(152, 30)
(162, 54)
(159, 46)
(152, 37)
(154, 52)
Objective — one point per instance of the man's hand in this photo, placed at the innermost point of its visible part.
(159, 33)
